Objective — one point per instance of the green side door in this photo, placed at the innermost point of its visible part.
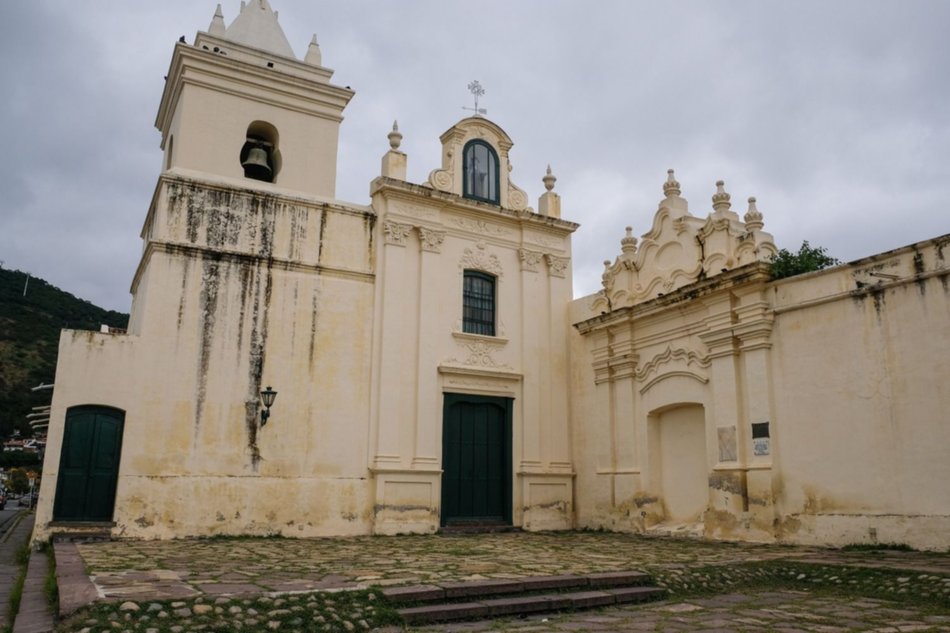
(89, 464)
(476, 460)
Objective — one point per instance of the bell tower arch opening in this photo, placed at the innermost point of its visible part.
(260, 155)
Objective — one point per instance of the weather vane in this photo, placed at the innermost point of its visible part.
(476, 89)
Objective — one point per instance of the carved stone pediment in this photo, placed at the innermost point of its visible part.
(680, 249)
(480, 259)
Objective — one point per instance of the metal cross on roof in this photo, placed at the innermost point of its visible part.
(476, 89)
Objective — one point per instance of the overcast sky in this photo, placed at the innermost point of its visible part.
(835, 115)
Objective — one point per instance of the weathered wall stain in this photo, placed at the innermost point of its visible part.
(298, 232)
(263, 284)
(208, 303)
(223, 219)
(323, 228)
(370, 222)
(245, 292)
(919, 271)
(727, 482)
(186, 266)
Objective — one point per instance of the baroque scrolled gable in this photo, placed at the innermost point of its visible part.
(466, 148)
(680, 249)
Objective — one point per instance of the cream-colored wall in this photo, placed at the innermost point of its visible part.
(240, 295)
(211, 98)
(211, 129)
(426, 240)
(846, 365)
(865, 455)
(682, 473)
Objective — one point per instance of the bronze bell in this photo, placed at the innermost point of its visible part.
(257, 165)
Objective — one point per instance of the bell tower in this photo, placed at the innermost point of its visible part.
(239, 105)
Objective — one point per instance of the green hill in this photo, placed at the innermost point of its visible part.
(29, 341)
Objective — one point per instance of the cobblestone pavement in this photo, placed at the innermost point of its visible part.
(258, 585)
(162, 570)
(783, 611)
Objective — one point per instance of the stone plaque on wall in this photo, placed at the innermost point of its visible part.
(727, 443)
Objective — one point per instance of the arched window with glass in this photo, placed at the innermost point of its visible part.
(478, 303)
(480, 163)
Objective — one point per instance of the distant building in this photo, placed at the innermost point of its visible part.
(432, 369)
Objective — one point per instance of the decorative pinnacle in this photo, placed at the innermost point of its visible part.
(753, 217)
(549, 179)
(217, 23)
(629, 243)
(395, 137)
(313, 57)
(671, 187)
(721, 199)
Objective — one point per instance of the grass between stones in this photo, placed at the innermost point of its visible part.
(22, 557)
(344, 611)
(923, 590)
(50, 586)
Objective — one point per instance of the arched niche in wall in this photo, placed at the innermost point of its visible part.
(260, 155)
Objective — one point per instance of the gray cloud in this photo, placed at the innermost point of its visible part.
(832, 114)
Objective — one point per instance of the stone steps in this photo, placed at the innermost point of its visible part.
(484, 599)
(81, 531)
(478, 527)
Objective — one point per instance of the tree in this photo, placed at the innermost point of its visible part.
(18, 483)
(807, 259)
(18, 459)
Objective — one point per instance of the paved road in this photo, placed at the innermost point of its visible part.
(5, 515)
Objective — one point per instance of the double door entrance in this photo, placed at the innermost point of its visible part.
(476, 460)
(89, 464)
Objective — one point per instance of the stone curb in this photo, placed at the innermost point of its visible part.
(76, 590)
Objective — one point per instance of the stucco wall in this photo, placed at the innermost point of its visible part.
(237, 291)
(427, 240)
(847, 367)
(862, 428)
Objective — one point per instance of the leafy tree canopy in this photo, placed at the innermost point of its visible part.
(18, 482)
(32, 313)
(807, 259)
(18, 459)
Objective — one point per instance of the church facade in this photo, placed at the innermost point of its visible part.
(304, 366)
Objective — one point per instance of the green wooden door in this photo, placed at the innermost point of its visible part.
(476, 459)
(89, 464)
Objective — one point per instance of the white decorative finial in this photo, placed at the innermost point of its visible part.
(476, 89)
(671, 187)
(549, 179)
(721, 199)
(395, 137)
(753, 217)
(629, 243)
(217, 23)
(313, 56)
